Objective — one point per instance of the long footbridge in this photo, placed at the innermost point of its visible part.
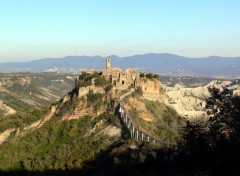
(135, 131)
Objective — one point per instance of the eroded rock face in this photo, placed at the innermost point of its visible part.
(24, 81)
(191, 102)
(151, 89)
(237, 91)
(6, 82)
(141, 107)
(150, 86)
(84, 90)
(7, 109)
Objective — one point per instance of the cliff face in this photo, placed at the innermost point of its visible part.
(85, 90)
(151, 88)
(191, 102)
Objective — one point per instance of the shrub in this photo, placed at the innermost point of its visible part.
(139, 91)
(95, 100)
(100, 81)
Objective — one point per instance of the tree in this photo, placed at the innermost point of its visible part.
(101, 81)
(224, 109)
(151, 76)
(214, 145)
(139, 91)
(96, 100)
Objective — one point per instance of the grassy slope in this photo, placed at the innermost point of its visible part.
(166, 121)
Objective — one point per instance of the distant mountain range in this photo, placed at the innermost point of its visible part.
(164, 63)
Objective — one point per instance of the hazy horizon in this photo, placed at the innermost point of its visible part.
(33, 59)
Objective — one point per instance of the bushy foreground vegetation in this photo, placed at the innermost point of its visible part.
(213, 147)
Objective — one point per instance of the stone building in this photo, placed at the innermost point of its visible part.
(121, 80)
(118, 77)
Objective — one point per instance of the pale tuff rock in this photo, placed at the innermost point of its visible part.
(38, 123)
(5, 82)
(24, 81)
(66, 98)
(151, 89)
(190, 102)
(5, 135)
(111, 131)
(7, 109)
(82, 91)
(141, 108)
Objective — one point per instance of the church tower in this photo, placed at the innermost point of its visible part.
(108, 63)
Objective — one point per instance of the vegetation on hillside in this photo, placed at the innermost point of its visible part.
(166, 120)
(149, 75)
(213, 146)
(85, 79)
(204, 148)
(82, 146)
(22, 119)
(58, 144)
(95, 100)
(25, 91)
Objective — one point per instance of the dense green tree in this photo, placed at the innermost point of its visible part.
(151, 76)
(95, 100)
(100, 81)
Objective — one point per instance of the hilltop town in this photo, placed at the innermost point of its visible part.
(120, 80)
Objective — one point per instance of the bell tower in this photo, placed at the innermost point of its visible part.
(108, 63)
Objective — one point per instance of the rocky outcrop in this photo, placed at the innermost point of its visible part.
(111, 131)
(82, 91)
(151, 88)
(7, 109)
(144, 113)
(5, 135)
(24, 81)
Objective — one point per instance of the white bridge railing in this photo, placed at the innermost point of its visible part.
(134, 130)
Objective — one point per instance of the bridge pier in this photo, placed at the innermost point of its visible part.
(142, 136)
(137, 135)
(129, 124)
(148, 138)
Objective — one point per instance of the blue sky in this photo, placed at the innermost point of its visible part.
(33, 29)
